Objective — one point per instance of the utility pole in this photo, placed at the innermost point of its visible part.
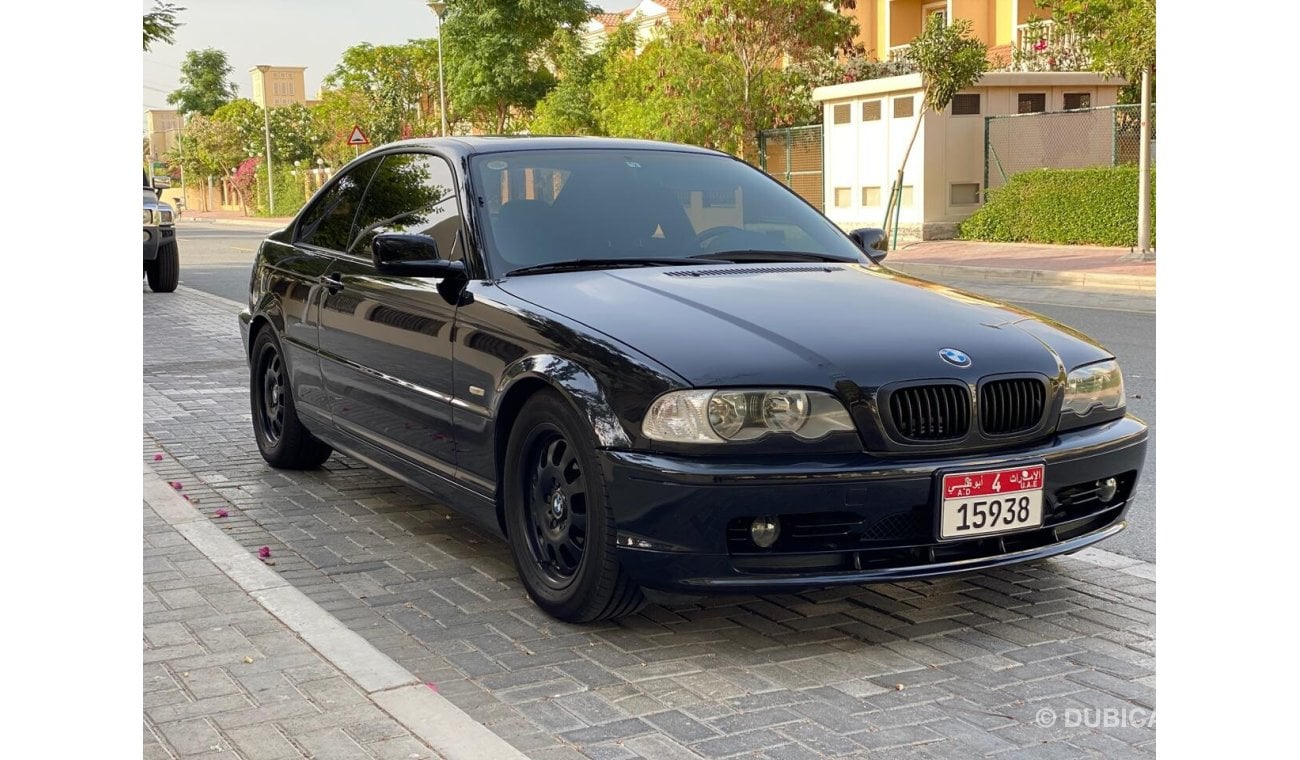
(266, 125)
(438, 9)
(1144, 171)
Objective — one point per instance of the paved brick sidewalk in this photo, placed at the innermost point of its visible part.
(224, 678)
(808, 675)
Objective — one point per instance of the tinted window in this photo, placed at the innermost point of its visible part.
(328, 222)
(414, 194)
(546, 206)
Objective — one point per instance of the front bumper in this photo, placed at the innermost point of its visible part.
(155, 238)
(864, 518)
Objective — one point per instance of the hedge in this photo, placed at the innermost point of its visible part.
(1067, 206)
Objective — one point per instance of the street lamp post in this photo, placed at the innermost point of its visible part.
(439, 9)
(270, 180)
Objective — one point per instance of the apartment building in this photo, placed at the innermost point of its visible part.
(277, 86)
(885, 27)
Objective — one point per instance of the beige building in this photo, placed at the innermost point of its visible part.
(162, 126)
(867, 126)
(648, 16)
(276, 86)
(885, 27)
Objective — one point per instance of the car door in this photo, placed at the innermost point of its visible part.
(294, 274)
(386, 341)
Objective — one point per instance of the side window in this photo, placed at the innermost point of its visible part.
(328, 223)
(411, 193)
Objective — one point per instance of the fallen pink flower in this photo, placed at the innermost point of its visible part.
(264, 552)
(186, 496)
(157, 457)
(176, 484)
(432, 686)
(222, 513)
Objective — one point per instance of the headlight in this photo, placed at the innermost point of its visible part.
(1096, 386)
(148, 216)
(715, 416)
(165, 216)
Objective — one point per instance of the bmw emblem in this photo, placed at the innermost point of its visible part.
(954, 357)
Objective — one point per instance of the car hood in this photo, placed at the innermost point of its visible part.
(808, 325)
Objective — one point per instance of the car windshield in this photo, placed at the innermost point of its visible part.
(590, 206)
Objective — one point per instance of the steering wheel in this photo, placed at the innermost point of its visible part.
(705, 238)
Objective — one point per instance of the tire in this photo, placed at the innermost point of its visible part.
(281, 437)
(164, 272)
(558, 520)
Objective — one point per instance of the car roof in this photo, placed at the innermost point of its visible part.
(464, 146)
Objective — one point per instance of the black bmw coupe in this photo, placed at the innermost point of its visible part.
(651, 366)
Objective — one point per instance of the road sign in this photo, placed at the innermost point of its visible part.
(358, 137)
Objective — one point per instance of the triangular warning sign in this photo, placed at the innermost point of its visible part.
(358, 137)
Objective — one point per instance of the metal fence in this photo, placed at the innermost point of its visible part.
(794, 156)
(1077, 139)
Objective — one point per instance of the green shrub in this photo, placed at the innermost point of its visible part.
(290, 195)
(1066, 206)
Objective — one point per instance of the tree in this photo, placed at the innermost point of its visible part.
(950, 60)
(748, 41)
(337, 113)
(723, 72)
(1120, 37)
(160, 24)
(398, 83)
(205, 86)
(494, 63)
(571, 108)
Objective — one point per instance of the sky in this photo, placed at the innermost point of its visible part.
(311, 33)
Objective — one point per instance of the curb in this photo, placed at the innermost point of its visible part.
(428, 715)
(1123, 283)
(256, 223)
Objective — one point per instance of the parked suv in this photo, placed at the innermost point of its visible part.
(161, 256)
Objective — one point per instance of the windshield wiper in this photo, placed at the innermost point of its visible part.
(759, 255)
(573, 265)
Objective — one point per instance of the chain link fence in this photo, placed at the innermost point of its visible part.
(1076, 139)
(794, 156)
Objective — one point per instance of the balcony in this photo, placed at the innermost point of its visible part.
(1045, 46)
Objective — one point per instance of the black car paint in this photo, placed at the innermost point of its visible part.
(426, 389)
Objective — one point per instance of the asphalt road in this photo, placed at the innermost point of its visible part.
(216, 259)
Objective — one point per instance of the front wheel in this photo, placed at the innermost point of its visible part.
(560, 526)
(281, 437)
(164, 272)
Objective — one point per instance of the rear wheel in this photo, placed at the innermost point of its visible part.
(164, 272)
(281, 437)
(559, 522)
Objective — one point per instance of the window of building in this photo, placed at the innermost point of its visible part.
(903, 107)
(871, 196)
(1075, 100)
(966, 104)
(871, 110)
(964, 193)
(841, 115)
(1031, 102)
(843, 197)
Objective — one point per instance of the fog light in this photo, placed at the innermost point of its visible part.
(765, 530)
(1106, 489)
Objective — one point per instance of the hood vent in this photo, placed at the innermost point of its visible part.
(729, 271)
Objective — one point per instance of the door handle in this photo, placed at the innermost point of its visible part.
(332, 281)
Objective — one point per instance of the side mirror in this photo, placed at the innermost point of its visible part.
(411, 256)
(873, 241)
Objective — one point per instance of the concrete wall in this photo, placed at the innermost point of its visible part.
(950, 149)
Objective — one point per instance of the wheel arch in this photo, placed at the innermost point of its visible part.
(532, 374)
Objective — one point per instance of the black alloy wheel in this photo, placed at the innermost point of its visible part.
(281, 437)
(559, 523)
(557, 506)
